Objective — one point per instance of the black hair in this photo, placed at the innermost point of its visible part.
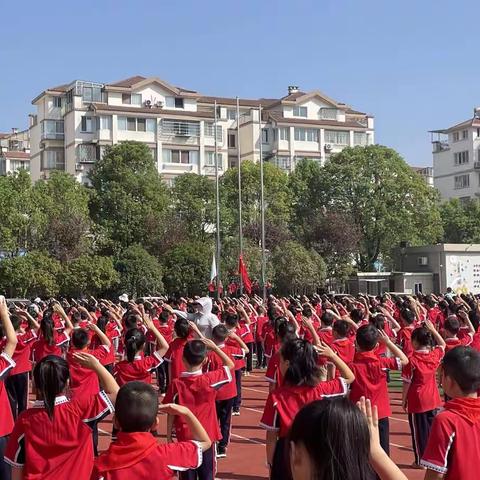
(327, 318)
(80, 338)
(341, 328)
(16, 321)
(462, 364)
(164, 316)
(194, 352)
(307, 311)
(136, 407)
(378, 321)
(286, 331)
(220, 333)
(302, 358)
(134, 342)
(367, 337)
(47, 327)
(423, 336)
(102, 323)
(181, 327)
(357, 315)
(408, 316)
(452, 324)
(231, 320)
(336, 437)
(51, 375)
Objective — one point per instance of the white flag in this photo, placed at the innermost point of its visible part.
(213, 271)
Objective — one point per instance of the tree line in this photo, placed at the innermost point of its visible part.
(131, 232)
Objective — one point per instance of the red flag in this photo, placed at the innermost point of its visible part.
(242, 271)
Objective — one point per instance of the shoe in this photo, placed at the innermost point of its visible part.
(221, 452)
(236, 413)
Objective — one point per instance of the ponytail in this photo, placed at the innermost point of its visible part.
(47, 328)
(134, 341)
(50, 375)
(423, 337)
(302, 358)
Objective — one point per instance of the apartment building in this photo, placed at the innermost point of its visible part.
(14, 151)
(456, 159)
(75, 122)
(426, 173)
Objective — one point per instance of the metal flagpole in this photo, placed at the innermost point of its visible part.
(217, 200)
(239, 165)
(262, 200)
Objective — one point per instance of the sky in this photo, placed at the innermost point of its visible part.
(414, 65)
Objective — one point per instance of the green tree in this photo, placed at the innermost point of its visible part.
(461, 221)
(129, 198)
(140, 273)
(187, 267)
(386, 199)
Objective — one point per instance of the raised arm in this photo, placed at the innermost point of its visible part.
(344, 369)
(438, 338)
(397, 352)
(226, 360)
(8, 329)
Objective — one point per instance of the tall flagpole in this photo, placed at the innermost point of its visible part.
(217, 200)
(239, 166)
(262, 200)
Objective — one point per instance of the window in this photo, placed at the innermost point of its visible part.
(337, 137)
(209, 130)
(456, 136)
(52, 129)
(210, 159)
(174, 102)
(180, 156)
(299, 111)
(478, 132)
(231, 140)
(461, 181)
(105, 123)
(57, 102)
(312, 135)
(418, 288)
(232, 114)
(16, 165)
(87, 124)
(53, 159)
(131, 124)
(265, 135)
(122, 123)
(359, 138)
(179, 102)
(126, 98)
(141, 125)
(134, 124)
(328, 113)
(460, 158)
(306, 134)
(136, 99)
(464, 134)
(284, 133)
(232, 162)
(422, 261)
(87, 153)
(151, 125)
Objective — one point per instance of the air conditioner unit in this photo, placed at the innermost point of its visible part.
(147, 103)
(159, 104)
(328, 147)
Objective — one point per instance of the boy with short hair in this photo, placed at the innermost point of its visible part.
(454, 334)
(452, 449)
(197, 391)
(404, 336)
(136, 453)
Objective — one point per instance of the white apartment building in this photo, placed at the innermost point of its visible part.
(14, 151)
(75, 122)
(456, 159)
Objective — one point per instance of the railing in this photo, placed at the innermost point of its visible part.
(210, 169)
(440, 146)
(476, 165)
(209, 129)
(52, 136)
(180, 128)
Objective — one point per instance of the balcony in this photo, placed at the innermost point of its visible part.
(440, 146)
(180, 132)
(52, 136)
(476, 165)
(52, 130)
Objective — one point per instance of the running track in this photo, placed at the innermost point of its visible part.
(246, 454)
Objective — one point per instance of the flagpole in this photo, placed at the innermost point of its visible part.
(262, 201)
(239, 166)
(217, 200)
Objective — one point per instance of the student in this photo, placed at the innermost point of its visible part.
(6, 366)
(51, 440)
(370, 375)
(112, 330)
(404, 336)
(197, 391)
(421, 397)
(451, 329)
(452, 450)
(262, 319)
(325, 333)
(136, 453)
(174, 356)
(301, 385)
(333, 439)
(165, 327)
(342, 344)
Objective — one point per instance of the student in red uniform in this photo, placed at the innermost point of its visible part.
(451, 330)
(245, 324)
(407, 322)
(174, 355)
(6, 366)
(325, 333)
(452, 451)
(421, 397)
(197, 391)
(370, 375)
(136, 453)
(262, 319)
(342, 344)
(165, 327)
(51, 440)
(300, 371)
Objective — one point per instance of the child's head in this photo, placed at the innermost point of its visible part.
(134, 343)
(452, 325)
(422, 338)
(231, 320)
(341, 329)
(298, 363)
(50, 375)
(285, 331)
(102, 323)
(131, 322)
(136, 407)
(181, 328)
(330, 439)
(357, 315)
(367, 338)
(76, 318)
(16, 322)
(47, 327)
(407, 316)
(194, 354)
(378, 321)
(80, 338)
(220, 334)
(461, 372)
(163, 317)
(327, 319)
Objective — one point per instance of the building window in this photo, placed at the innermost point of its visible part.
(328, 113)
(53, 159)
(306, 134)
(461, 181)
(209, 129)
(87, 153)
(359, 138)
(456, 136)
(232, 114)
(284, 133)
(105, 123)
(461, 158)
(52, 129)
(179, 102)
(141, 125)
(16, 165)
(265, 135)
(134, 124)
(464, 134)
(210, 159)
(132, 99)
(232, 162)
(300, 112)
(312, 135)
(337, 137)
(180, 156)
(57, 102)
(231, 140)
(87, 124)
(131, 124)
(478, 132)
(151, 125)
(126, 98)
(418, 288)
(422, 261)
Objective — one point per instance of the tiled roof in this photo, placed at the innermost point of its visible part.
(4, 135)
(293, 96)
(305, 121)
(127, 82)
(154, 111)
(472, 122)
(13, 154)
(233, 101)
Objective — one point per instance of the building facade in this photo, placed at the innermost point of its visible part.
(456, 159)
(14, 151)
(74, 123)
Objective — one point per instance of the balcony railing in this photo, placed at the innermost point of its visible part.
(440, 146)
(476, 165)
(52, 135)
(180, 128)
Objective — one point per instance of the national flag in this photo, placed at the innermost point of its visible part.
(242, 271)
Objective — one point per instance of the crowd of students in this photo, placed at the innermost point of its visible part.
(328, 363)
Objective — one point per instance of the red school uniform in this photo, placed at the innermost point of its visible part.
(451, 343)
(273, 374)
(305, 332)
(404, 340)
(344, 348)
(42, 348)
(420, 374)
(174, 357)
(284, 402)
(139, 370)
(60, 448)
(248, 336)
(6, 418)
(326, 335)
(371, 380)
(197, 391)
(261, 321)
(23, 352)
(138, 454)
(452, 447)
(109, 358)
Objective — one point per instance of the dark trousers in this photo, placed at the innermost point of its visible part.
(17, 390)
(420, 425)
(261, 359)
(238, 399)
(249, 357)
(207, 469)
(384, 431)
(280, 467)
(5, 470)
(109, 368)
(94, 426)
(224, 414)
(162, 377)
